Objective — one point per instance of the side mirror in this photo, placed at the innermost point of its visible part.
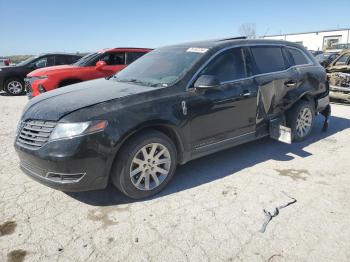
(206, 82)
(100, 65)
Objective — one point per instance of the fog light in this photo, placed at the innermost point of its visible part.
(64, 178)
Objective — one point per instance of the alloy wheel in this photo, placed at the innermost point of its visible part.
(150, 166)
(304, 122)
(15, 87)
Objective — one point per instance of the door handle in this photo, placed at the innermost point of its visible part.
(290, 84)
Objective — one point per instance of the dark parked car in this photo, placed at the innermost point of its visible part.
(315, 53)
(12, 77)
(339, 77)
(326, 58)
(170, 106)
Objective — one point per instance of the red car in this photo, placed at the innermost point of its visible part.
(103, 63)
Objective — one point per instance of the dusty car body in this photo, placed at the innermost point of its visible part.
(339, 77)
(199, 102)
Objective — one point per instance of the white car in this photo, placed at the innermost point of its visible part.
(4, 61)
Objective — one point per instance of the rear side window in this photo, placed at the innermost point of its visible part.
(298, 56)
(72, 59)
(62, 60)
(268, 59)
(132, 56)
(227, 66)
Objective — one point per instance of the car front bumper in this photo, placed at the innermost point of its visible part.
(71, 165)
(34, 86)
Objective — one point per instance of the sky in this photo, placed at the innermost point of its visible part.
(39, 26)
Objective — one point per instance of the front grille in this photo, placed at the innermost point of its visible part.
(34, 134)
(28, 88)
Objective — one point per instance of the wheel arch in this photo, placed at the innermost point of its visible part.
(164, 127)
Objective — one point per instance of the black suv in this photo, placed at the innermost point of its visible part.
(173, 105)
(12, 77)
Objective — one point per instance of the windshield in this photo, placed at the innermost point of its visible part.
(86, 60)
(27, 61)
(161, 67)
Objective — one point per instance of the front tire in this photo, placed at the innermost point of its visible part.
(300, 119)
(145, 165)
(14, 87)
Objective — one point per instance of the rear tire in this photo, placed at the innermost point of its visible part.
(300, 119)
(14, 86)
(144, 165)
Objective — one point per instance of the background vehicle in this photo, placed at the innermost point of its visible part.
(170, 106)
(4, 61)
(326, 58)
(337, 48)
(12, 77)
(103, 63)
(339, 77)
(315, 53)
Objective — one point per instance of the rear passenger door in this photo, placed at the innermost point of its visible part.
(275, 76)
(227, 111)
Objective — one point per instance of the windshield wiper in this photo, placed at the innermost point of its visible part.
(137, 81)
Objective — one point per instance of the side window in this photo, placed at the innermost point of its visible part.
(72, 59)
(50, 61)
(227, 66)
(132, 56)
(61, 60)
(268, 59)
(298, 56)
(42, 62)
(343, 59)
(114, 58)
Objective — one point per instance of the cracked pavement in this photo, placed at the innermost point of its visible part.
(211, 211)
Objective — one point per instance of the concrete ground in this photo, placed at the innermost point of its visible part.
(211, 211)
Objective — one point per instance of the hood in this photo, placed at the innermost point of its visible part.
(5, 68)
(55, 104)
(51, 69)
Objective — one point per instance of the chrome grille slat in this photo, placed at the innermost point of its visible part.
(41, 124)
(37, 139)
(37, 129)
(41, 134)
(35, 133)
(29, 143)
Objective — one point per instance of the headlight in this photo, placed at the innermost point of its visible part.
(68, 130)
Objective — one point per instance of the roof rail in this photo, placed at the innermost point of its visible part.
(233, 38)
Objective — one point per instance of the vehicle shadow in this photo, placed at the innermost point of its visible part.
(222, 164)
(3, 93)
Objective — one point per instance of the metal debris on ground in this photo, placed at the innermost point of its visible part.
(270, 215)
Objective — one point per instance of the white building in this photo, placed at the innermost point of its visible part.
(318, 40)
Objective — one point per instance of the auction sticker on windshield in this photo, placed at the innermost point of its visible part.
(197, 50)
